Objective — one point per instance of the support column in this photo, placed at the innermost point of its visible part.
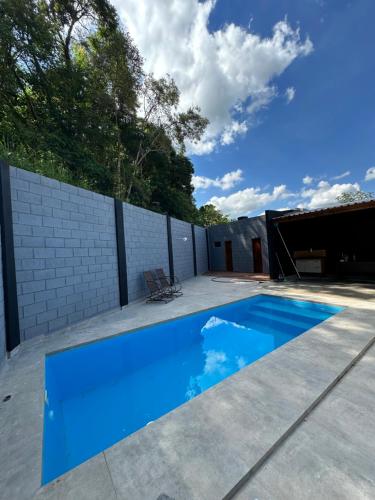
(170, 249)
(208, 251)
(194, 249)
(8, 262)
(121, 253)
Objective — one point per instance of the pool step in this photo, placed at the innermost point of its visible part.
(281, 323)
(267, 329)
(293, 311)
(287, 317)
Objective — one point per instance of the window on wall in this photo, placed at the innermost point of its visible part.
(217, 243)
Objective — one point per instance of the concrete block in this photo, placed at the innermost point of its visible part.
(28, 197)
(42, 231)
(34, 309)
(50, 200)
(55, 283)
(58, 324)
(44, 274)
(64, 291)
(55, 242)
(64, 271)
(31, 242)
(33, 286)
(52, 222)
(44, 253)
(46, 316)
(40, 210)
(56, 303)
(72, 243)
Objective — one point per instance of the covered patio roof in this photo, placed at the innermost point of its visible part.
(319, 212)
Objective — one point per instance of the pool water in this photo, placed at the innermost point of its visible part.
(101, 392)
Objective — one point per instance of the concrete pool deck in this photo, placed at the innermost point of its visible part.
(269, 431)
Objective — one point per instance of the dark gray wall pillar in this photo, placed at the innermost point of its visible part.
(2, 318)
(194, 249)
(208, 250)
(274, 269)
(12, 327)
(121, 253)
(170, 249)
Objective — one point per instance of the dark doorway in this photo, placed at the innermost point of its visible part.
(257, 255)
(228, 256)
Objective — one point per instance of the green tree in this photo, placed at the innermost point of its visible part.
(76, 105)
(208, 215)
(113, 69)
(355, 196)
(161, 126)
(44, 104)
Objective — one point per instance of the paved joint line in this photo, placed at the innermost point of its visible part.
(251, 472)
(110, 475)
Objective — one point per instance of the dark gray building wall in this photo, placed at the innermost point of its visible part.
(65, 253)
(146, 246)
(241, 234)
(182, 249)
(2, 319)
(201, 249)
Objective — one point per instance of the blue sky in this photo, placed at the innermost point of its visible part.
(288, 86)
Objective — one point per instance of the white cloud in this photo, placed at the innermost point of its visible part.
(229, 73)
(307, 179)
(370, 174)
(283, 209)
(325, 194)
(230, 132)
(229, 180)
(251, 200)
(261, 99)
(290, 94)
(341, 176)
(247, 200)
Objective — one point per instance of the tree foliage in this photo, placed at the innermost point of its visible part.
(208, 215)
(75, 104)
(355, 196)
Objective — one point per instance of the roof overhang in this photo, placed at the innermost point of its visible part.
(339, 209)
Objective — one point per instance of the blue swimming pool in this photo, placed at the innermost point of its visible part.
(101, 392)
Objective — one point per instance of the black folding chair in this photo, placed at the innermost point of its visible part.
(166, 282)
(157, 293)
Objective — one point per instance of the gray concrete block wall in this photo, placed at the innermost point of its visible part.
(65, 253)
(146, 246)
(241, 234)
(201, 249)
(182, 243)
(2, 319)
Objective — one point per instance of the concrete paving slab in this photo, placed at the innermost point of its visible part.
(90, 481)
(20, 444)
